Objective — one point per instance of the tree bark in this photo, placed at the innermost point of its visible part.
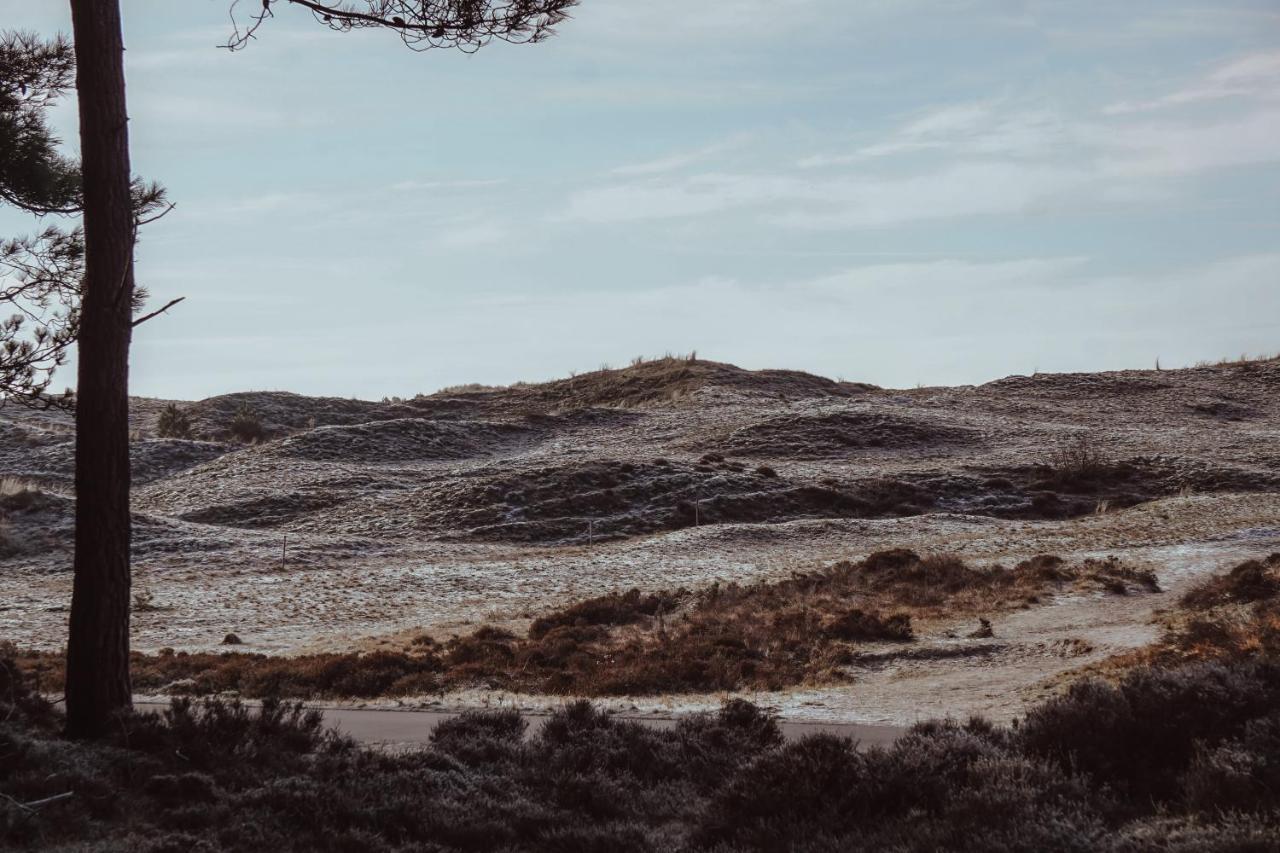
(97, 684)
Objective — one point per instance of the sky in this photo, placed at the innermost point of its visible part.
(902, 192)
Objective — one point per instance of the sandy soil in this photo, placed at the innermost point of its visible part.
(362, 521)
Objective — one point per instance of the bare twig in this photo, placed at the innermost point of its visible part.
(158, 312)
(35, 804)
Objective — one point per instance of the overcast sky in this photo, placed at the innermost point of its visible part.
(892, 191)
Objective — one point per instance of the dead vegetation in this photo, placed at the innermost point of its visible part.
(612, 498)
(810, 628)
(246, 427)
(670, 379)
(1247, 583)
(1235, 616)
(1228, 617)
(837, 434)
(645, 382)
(403, 440)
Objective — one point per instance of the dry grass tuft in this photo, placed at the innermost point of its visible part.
(1243, 359)
(11, 487)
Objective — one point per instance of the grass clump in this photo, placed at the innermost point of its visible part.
(1078, 460)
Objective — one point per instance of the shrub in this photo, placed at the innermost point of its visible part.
(613, 609)
(1252, 580)
(1240, 774)
(221, 776)
(1078, 458)
(1140, 735)
(856, 624)
(246, 427)
(173, 423)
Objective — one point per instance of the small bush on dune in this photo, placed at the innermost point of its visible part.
(614, 609)
(1078, 458)
(1250, 581)
(247, 427)
(173, 423)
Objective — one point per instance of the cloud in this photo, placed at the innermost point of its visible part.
(446, 186)
(967, 189)
(261, 204)
(471, 235)
(217, 113)
(977, 158)
(1254, 76)
(978, 129)
(679, 160)
(1182, 148)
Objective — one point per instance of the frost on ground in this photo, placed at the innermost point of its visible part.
(357, 524)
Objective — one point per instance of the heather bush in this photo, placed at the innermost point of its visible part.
(1139, 737)
(1167, 760)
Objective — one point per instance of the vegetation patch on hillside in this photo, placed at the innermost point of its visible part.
(1233, 616)
(835, 434)
(809, 628)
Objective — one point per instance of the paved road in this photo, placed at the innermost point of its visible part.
(412, 727)
(407, 728)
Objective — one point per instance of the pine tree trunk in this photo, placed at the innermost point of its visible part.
(97, 683)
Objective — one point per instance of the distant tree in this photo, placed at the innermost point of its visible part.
(173, 423)
(97, 682)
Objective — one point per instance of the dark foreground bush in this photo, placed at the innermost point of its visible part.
(1175, 761)
(1139, 737)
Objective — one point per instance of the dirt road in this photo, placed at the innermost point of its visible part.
(410, 728)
